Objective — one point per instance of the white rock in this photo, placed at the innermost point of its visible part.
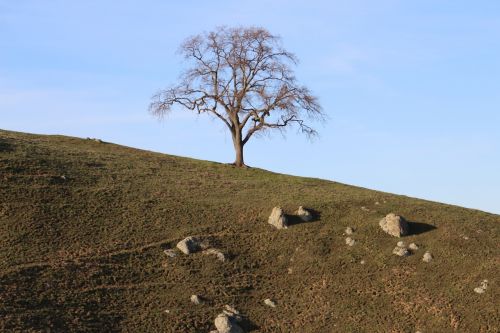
(365, 209)
(171, 253)
(226, 324)
(479, 290)
(278, 218)
(349, 241)
(362, 262)
(401, 244)
(401, 251)
(413, 247)
(195, 299)
(427, 257)
(304, 214)
(349, 231)
(218, 253)
(189, 245)
(394, 225)
(270, 303)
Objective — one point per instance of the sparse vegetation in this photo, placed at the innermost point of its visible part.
(84, 226)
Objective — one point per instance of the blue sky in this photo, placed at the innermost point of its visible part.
(411, 88)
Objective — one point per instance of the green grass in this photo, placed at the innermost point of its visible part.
(84, 253)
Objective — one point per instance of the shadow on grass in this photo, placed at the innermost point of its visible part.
(417, 228)
(295, 219)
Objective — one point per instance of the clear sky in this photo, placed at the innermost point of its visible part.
(412, 88)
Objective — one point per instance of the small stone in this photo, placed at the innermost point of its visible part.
(377, 203)
(167, 311)
(349, 241)
(220, 256)
(362, 262)
(401, 244)
(427, 257)
(394, 225)
(401, 251)
(413, 247)
(189, 245)
(270, 303)
(278, 218)
(365, 209)
(349, 231)
(304, 214)
(232, 312)
(195, 299)
(479, 290)
(290, 270)
(171, 253)
(63, 177)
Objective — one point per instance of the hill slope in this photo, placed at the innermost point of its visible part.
(83, 226)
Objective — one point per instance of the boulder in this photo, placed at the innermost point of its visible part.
(278, 218)
(394, 225)
(189, 245)
(304, 214)
(226, 324)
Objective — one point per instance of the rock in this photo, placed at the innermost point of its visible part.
(427, 257)
(220, 256)
(362, 262)
(349, 241)
(270, 303)
(232, 312)
(171, 253)
(479, 290)
(167, 311)
(349, 231)
(365, 209)
(227, 324)
(278, 218)
(482, 288)
(195, 299)
(401, 244)
(401, 251)
(189, 245)
(413, 247)
(394, 225)
(304, 214)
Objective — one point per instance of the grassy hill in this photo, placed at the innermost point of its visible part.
(83, 226)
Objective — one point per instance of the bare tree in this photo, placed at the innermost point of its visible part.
(243, 77)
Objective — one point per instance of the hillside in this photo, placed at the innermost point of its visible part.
(83, 227)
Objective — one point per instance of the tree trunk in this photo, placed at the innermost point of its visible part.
(238, 148)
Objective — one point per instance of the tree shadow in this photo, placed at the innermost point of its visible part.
(417, 228)
(5, 146)
(295, 219)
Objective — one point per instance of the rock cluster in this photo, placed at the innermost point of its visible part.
(401, 250)
(394, 225)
